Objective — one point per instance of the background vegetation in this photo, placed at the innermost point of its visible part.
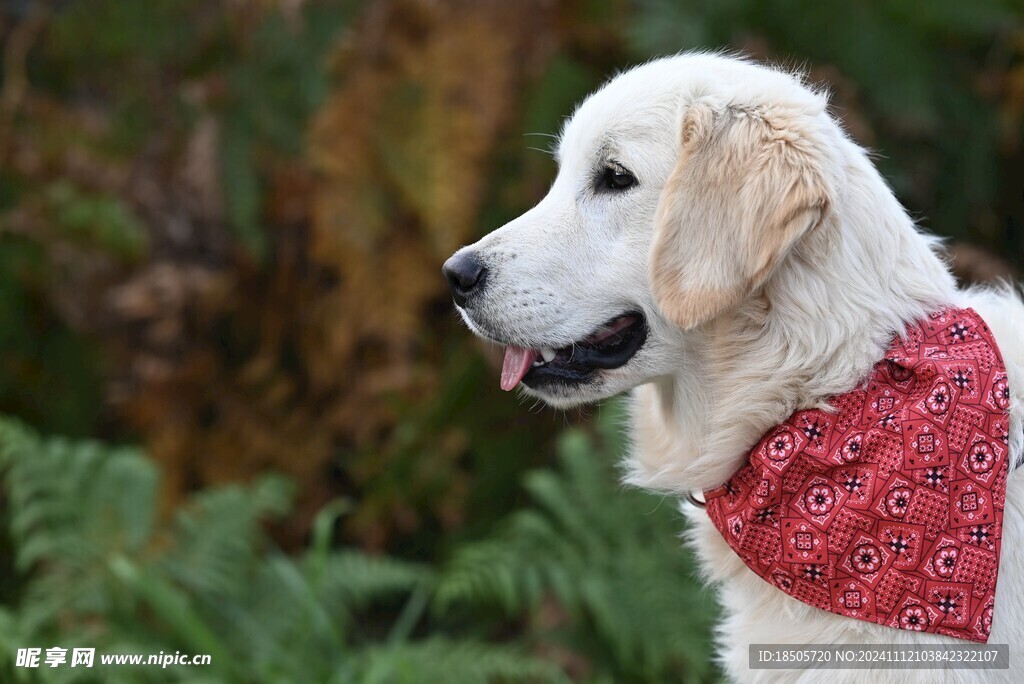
(221, 228)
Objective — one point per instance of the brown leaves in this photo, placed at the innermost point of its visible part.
(401, 150)
(328, 363)
(337, 359)
(973, 264)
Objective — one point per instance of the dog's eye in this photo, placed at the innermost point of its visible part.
(617, 178)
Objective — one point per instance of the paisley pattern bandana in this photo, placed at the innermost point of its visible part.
(889, 509)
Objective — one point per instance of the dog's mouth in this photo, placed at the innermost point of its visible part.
(612, 345)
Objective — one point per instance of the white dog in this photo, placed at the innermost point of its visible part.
(716, 243)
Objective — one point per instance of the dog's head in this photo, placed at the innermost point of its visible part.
(682, 186)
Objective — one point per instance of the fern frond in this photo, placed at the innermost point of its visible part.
(609, 558)
(443, 661)
(74, 501)
(217, 536)
(355, 580)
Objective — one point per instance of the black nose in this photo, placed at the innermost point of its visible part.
(465, 274)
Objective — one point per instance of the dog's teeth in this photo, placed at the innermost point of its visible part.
(548, 354)
(538, 362)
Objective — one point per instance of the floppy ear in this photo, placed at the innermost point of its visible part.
(746, 188)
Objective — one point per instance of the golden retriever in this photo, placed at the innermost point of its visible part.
(715, 243)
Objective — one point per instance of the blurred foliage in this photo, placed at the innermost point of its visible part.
(601, 569)
(616, 604)
(221, 229)
(298, 184)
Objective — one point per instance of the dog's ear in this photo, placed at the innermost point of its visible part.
(746, 188)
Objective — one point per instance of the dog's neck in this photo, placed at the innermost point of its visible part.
(814, 330)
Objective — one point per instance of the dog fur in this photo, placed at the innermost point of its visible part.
(773, 266)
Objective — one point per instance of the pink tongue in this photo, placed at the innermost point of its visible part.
(517, 362)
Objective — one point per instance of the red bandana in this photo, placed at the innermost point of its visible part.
(890, 509)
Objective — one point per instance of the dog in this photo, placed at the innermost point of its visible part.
(717, 246)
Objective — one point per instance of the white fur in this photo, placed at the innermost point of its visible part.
(810, 326)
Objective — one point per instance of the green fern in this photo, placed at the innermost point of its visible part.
(217, 535)
(443, 661)
(609, 559)
(98, 572)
